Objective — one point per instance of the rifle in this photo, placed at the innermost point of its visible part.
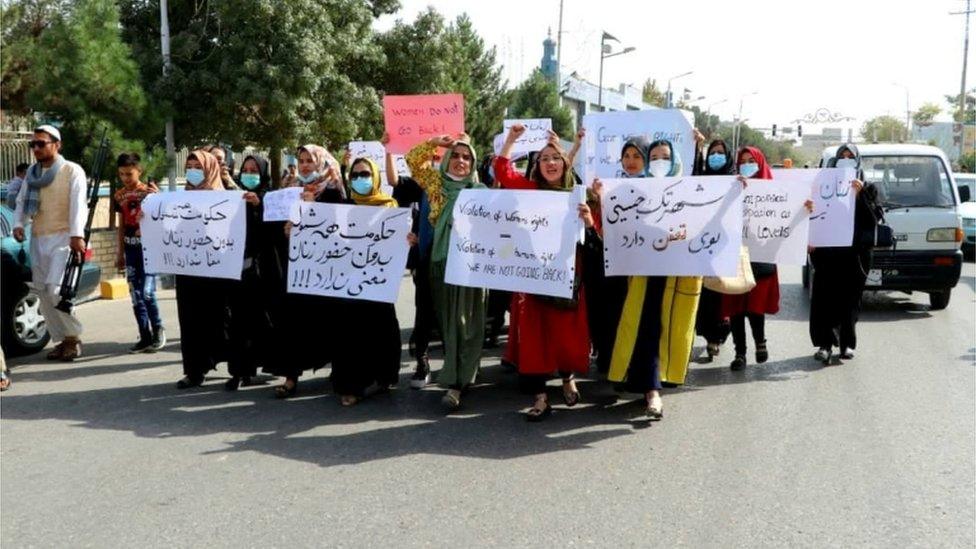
(72, 270)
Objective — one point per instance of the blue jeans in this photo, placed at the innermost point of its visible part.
(142, 290)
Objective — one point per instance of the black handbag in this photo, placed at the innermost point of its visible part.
(880, 235)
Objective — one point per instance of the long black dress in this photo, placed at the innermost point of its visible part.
(708, 320)
(201, 304)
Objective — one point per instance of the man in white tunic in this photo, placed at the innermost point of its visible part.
(52, 200)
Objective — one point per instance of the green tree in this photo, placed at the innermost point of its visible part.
(68, 65)
(538, 97)
(882, 129)
(262, 74)
(967, 162)
(652, 94)
(926, 114)
(970, 114)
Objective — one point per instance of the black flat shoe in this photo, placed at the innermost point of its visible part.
(189, 382)
(762, 354)
(738, 363)
(535, 415)
(284, 391)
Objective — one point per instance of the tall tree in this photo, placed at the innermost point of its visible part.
(538, 97)
(970, 115)
(652, 94)
(259, 73)
(926, 114)
(883, 129)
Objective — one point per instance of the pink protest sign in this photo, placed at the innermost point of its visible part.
(410, 119)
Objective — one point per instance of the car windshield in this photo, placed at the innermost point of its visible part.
(906, 181)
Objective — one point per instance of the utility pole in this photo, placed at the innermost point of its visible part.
(559, 50)
(962, 85)
(170, 138)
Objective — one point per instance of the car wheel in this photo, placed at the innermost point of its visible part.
(24, 327)
(939, 300)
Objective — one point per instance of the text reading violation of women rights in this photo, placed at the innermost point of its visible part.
(688, 226)
(520, 241)
(341, 250)
(194, 233)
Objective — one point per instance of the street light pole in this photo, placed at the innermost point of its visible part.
(605, 54)
(670, 103)
(908, 111)
(170, 137)
(962, 86)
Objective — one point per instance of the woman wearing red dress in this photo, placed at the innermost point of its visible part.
(553, 335)
(764, 298)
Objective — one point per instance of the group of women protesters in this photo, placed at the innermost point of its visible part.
(639, 330)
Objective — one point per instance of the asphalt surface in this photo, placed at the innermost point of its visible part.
(878, 452)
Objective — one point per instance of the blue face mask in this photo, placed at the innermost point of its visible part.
(748, 170)
(716, 161)
(250, 181)
(309, 178)
(194, 176)
(362, 186)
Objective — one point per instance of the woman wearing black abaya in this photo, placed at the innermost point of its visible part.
(840, 273)
(709, 323)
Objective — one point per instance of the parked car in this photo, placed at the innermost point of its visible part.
(921, 205)
(22, 326)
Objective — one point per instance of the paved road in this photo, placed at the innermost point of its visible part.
(878, 452)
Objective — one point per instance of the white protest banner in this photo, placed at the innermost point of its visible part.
(832, 221)
(341, 250)
(535, 137)
(199, 233)
(278, 204)
(375, 151)
(606, 133)
(775, 221)
(520, 241)
(684, 226)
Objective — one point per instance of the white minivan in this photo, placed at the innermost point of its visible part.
(921, 203)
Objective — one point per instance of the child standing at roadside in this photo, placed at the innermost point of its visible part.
(142, 286)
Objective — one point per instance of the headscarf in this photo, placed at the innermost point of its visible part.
(728, 168)
(536, 174)
(211, 171)
(376, 197)
(263, 171)
(320, 156)
(764, 171)
(832, 163)
(451, 188)
(675, 169)
(642, 145)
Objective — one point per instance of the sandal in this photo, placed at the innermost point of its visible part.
(284, 391)
(762, 354)
(71, 349)
(571, 398)
(189, 381)
(451, 400)
(713, 349)
(535, 415)
(654, 408)
(56, 352)
(349, 400)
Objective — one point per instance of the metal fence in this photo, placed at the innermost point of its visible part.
(14, 149)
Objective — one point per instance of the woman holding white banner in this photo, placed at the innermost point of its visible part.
(260, 291)
(460, 311)
(318, 173)
(709, 322)
(764, 298)
(656, 327)
(201, 303)
(368, 338)
(539, 354)
(841, 273)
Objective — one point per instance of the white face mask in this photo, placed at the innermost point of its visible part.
(846, 163)
(659, 168)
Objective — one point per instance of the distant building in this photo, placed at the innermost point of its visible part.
(582, 96)
(943, 135)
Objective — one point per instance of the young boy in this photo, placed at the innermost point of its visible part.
(142, 286)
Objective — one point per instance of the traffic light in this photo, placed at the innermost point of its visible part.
(799, 130)
(774, 130)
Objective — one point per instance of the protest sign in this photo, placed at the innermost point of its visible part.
(375, 151)
(199, 233)
(520, 241)
(341, 250)
(685, 226)
(278, 204)
(832, 221)
(411, 119)
(775, 221)
(535, 137)
(606, 133)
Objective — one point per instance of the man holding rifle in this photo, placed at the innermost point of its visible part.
(52, 198)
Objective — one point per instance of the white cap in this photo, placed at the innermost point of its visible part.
(50, 130)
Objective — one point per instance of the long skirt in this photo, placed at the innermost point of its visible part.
(460, 313)
(835, 304)
(201, 306)
(369, 347)
(636, 350)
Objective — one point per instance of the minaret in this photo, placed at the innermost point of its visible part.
(549, 66)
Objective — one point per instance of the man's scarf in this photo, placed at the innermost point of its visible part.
(36, 180)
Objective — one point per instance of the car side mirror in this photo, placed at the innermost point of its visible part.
(964, 195)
